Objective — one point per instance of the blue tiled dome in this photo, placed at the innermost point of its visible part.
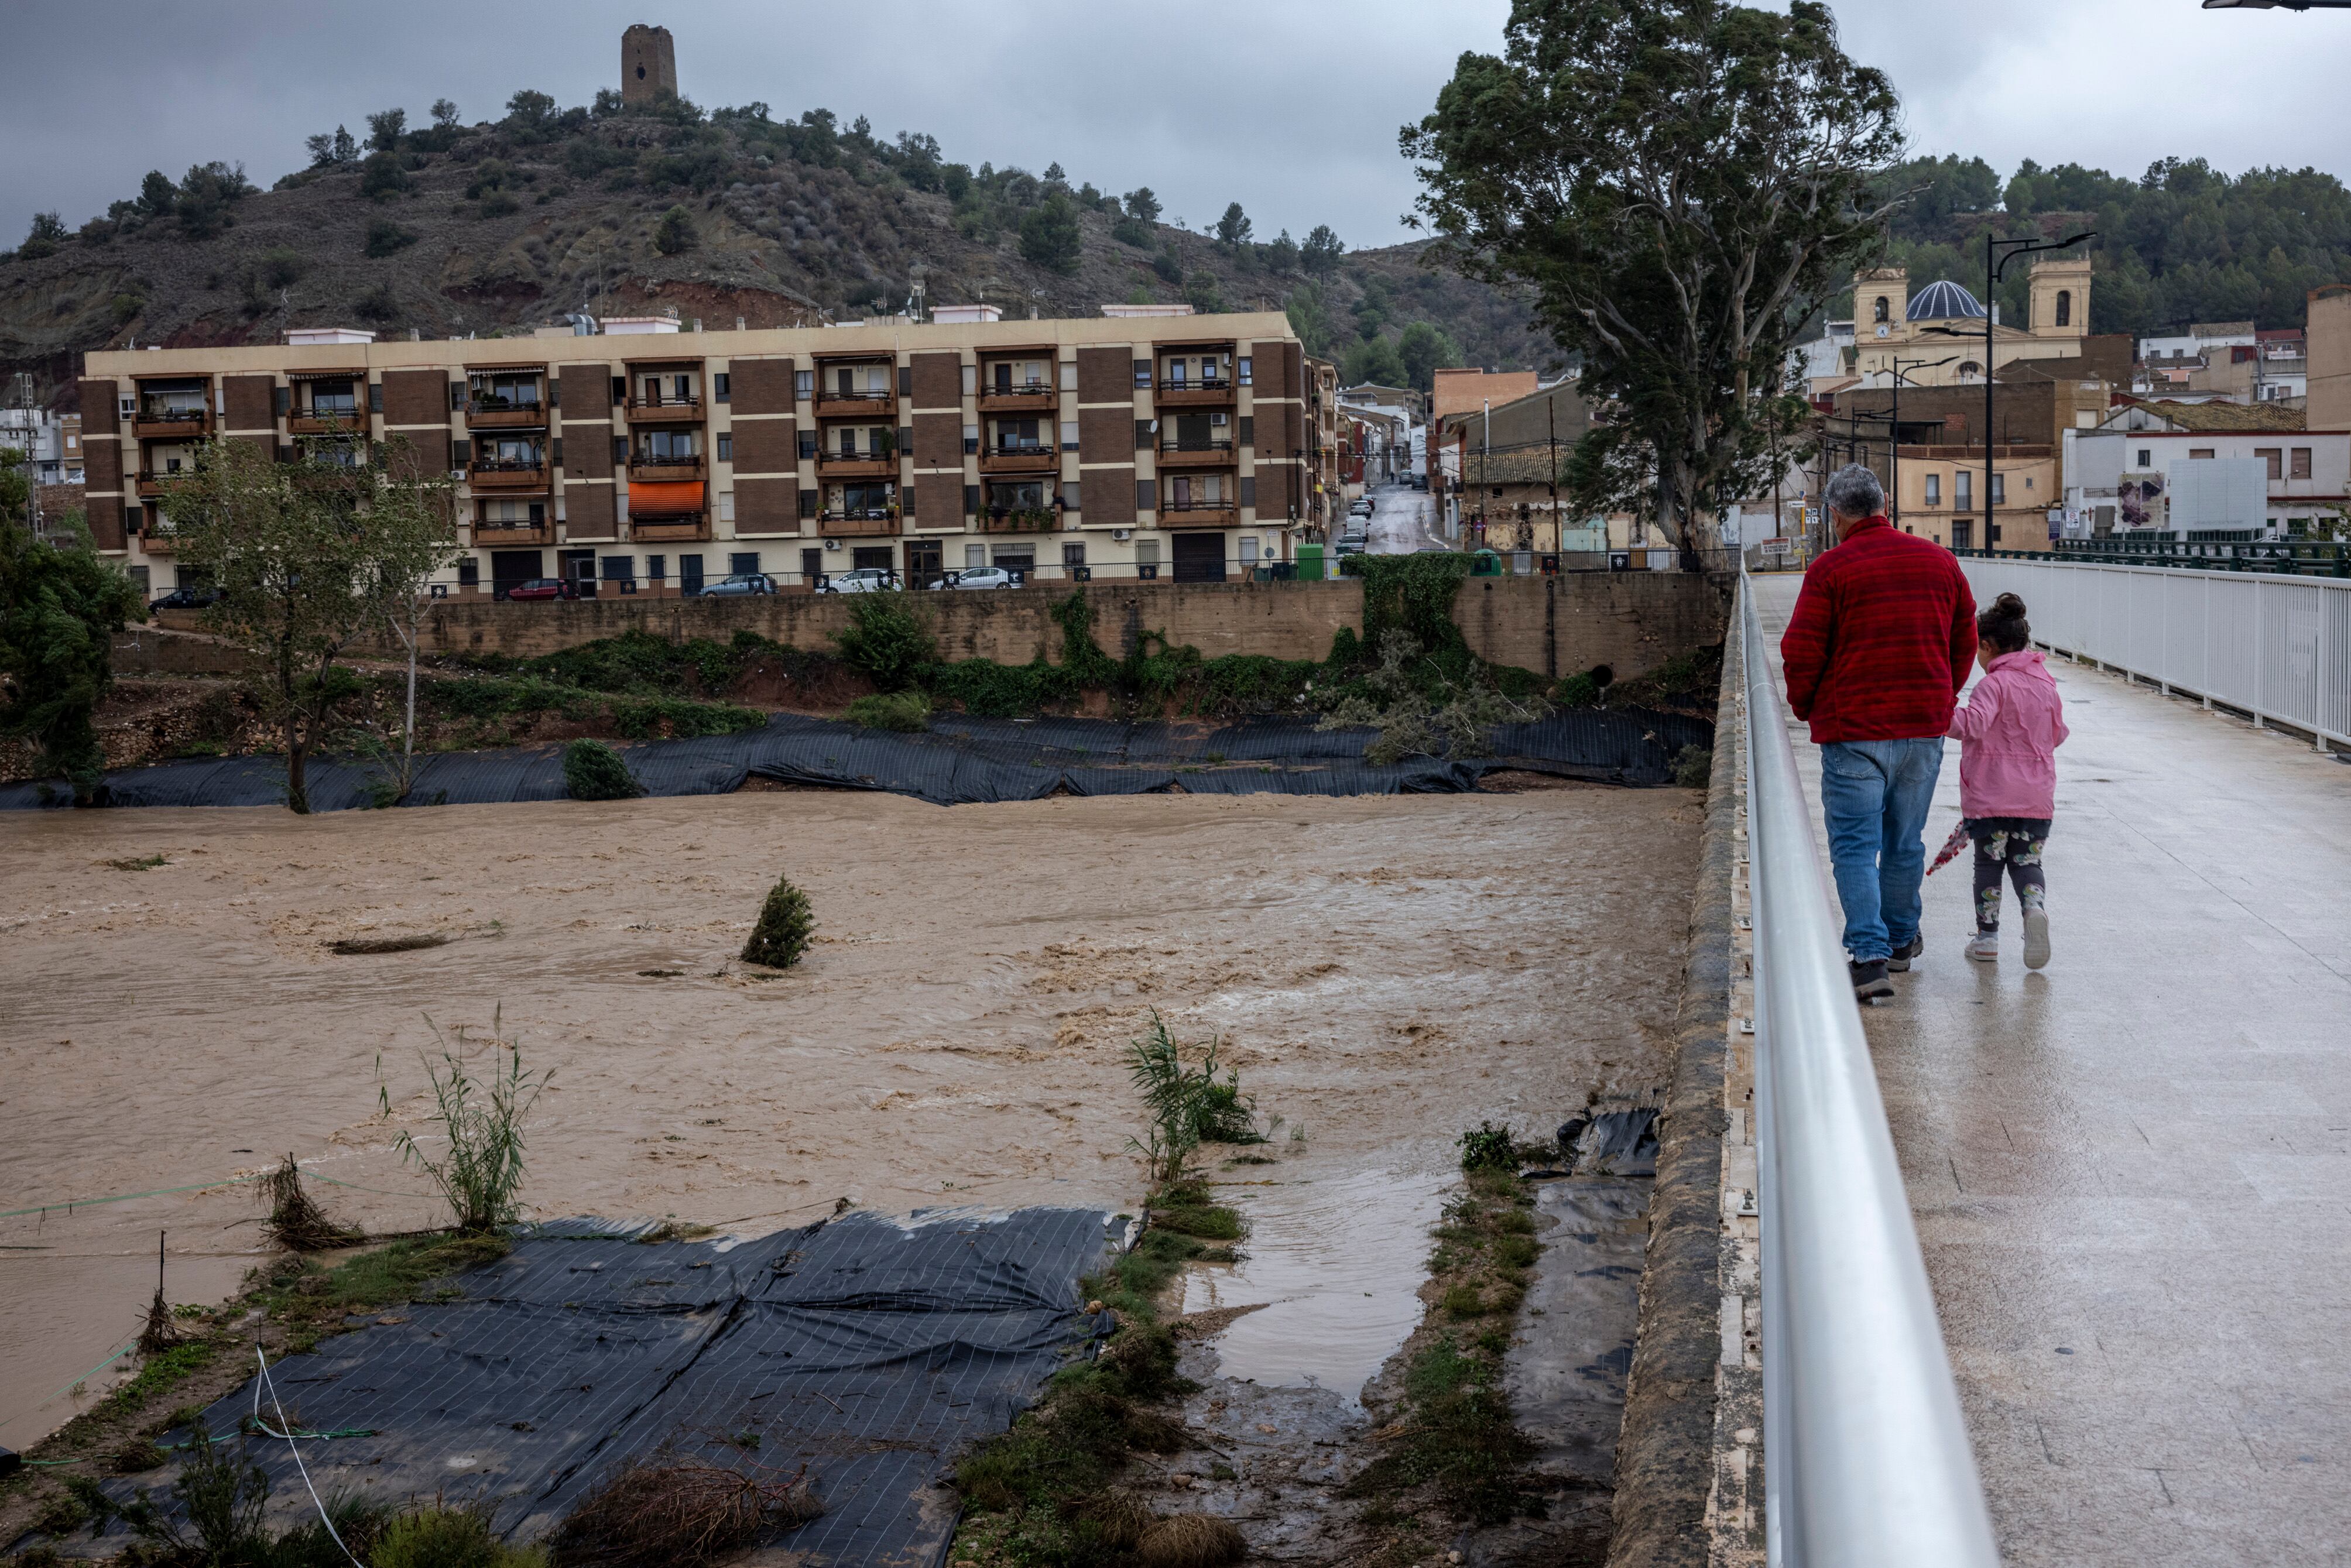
(1942, 301)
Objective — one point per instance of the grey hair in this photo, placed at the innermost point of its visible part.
(1854, 492)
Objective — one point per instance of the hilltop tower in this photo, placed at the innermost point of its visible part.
(648, 63)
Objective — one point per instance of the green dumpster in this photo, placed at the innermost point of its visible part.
(1309, 563)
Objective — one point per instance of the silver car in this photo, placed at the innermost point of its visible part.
(978, 577)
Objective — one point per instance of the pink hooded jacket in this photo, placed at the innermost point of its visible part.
(2009, 731)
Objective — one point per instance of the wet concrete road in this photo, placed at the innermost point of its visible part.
(2132, 1172)
(1401, 521)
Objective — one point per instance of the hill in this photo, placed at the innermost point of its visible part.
(452, 229)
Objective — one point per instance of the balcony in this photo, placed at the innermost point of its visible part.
(1019, 521)
(856, 464)
(1018, 397)
(865, 522)
(692, 529)
(513, 536)
(161, 422)
(648, 470)
(1195, 393)
(831, 402)
(153, 486)
(1215, 452)
(327, 419)
(506, 475)
(1198, 515)
(504, 413)
(664, 410)
(1039, 459)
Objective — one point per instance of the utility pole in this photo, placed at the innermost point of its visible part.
(1550, 417)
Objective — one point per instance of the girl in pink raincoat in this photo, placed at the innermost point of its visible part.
(2009, 731)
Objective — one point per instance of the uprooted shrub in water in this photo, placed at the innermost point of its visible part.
(780, 936)
(1420, 710)
(594, 771)
(1186, 1106)
(482, 1119)
(660, 1515)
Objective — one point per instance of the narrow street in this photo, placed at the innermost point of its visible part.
(1403, 520)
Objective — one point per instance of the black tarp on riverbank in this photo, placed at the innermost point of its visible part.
(868, 1350)
(961, 760)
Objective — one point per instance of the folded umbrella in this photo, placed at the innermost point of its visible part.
(1951, 847)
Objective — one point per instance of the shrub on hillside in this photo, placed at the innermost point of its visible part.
(594, 771)
(885, 640)
(906, 712)
(780, 936)
(385, 237)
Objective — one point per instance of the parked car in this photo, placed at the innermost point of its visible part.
(1359, 507)
(860, 580)
(544, 588)
(742, 582)
(978, 577)
(186, 598)
(1351, 544)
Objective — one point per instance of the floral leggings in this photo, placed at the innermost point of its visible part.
(2015, 843)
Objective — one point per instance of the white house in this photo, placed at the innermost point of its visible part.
(2119, 473)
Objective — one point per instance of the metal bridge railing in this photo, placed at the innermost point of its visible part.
(1866, 1460)
(2276, 647)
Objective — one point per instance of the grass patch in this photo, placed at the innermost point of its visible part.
(906, 713)
(310, 1301)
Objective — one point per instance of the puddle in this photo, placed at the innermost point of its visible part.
(1336, 1262)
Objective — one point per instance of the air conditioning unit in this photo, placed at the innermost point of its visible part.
(832, 544)
(1121, 535)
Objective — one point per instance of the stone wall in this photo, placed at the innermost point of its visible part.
(1630, 621)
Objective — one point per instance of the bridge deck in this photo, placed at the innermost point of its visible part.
(2132, 1172)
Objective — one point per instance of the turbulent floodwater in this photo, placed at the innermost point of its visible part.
(1382, 972)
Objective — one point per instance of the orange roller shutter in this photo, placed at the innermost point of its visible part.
(666, 500)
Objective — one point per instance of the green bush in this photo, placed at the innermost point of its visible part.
(886, 642)
(1694, 767)
(385, 237)
(780, 936)
(1576, 691)
(594, 771)
(905, 711)
(448, 1538)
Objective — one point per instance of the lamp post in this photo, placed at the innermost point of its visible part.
(1894, 436)
(1995, 264)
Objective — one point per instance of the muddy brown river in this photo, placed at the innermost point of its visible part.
(1382, 972)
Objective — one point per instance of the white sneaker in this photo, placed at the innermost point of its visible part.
(1984, 947)
(2036, 938)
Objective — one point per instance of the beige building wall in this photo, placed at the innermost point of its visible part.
(2329, 331)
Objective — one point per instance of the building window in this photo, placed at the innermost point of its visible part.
(1999, 489)
(743, 563)
(1242, 367)
(2301, 469)
(803, 385)
(1143, 373)
(1879, 312)
(970, 379)
(2196, 452)
(2145, 458)
(1934, 489)
(726, 448)
(1962, 483)
(2064, 308)
(1069, 435)
(2276, 457)
(721, 387)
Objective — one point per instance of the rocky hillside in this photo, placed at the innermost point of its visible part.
(456, 229)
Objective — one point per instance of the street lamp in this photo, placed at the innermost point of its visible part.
(1995, 265)
(1894, 441)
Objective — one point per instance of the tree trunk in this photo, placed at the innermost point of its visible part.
(298, 791)
(408, 725)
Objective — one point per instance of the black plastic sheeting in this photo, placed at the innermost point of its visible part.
(960, 761)
(868, 1350)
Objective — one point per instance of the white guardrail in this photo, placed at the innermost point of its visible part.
(1865, 1459)
(2276, 647)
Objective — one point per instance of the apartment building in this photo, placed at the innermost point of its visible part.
(651, 460)
(2120, 473)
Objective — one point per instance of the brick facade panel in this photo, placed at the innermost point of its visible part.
(938, 437)
(1107, 496)
(103, 514)
(101, 465)
(250, 401)
(767, 506)
(416, 397)
(760, 386)
(1105, 375)
(428, 450)
(98, 417)
(1106, 435)
(590, 510)
(766, 445)
(938, 381)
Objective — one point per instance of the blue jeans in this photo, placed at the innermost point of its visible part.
(1874, 797)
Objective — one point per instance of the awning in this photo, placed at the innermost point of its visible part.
(505, 370)
(359, 375)
(666, 500)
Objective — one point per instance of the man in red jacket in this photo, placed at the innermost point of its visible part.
(1882, 639)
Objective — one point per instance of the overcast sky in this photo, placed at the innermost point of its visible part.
(1288, 106)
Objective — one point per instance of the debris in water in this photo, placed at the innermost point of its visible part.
(296, 1222)
(350, 947)
(1611, 1142)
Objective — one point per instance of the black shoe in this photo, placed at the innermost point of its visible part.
(1869, 981)
(1900, 962)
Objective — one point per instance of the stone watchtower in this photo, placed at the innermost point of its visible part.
(648, 63)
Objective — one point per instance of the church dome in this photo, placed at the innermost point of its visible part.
(1942, 301)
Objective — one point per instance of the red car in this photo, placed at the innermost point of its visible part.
(547, 588)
